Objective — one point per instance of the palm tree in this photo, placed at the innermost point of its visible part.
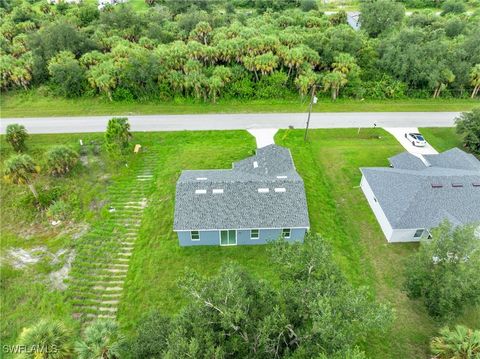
(102, 340)
(460, 343)
(475, 79)
(333, 81)
(60, 160)
(16, 136)
(46, 339)
(20, 169)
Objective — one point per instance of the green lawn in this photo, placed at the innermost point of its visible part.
(33, 104)
(442, 138)
(329, 165)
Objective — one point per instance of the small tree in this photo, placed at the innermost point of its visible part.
(20, 169)
(16, 136)
(152, 337)
(60, 160)
(444, 272)
(468, 126)
(118, 135)
(378, 16)
(475, 79)
(46, 339)
(66, 74)
(461, 343)
(102, 339)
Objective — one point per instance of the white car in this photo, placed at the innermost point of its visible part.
(416, 139)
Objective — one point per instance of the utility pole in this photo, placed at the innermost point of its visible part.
(313, 100)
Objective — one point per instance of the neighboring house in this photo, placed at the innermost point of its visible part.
(413, 197)
(103, 3)
(260, 199)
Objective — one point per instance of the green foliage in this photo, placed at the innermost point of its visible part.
(459, 343)
(16, 136)
(468, 126)
(102, 339)
(315, 311)
(308, 5)
(59, 210)
(66, 74)
(46, 339)
(453, 7)
(153, 331)
(444, 272)
(61, 160)
(379, 16)
(117, 135)
(19, 169)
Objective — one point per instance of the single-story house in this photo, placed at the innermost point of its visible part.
(261, 198)
(414, 195)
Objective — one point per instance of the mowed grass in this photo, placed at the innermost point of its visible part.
(158, 262)
(34, 104)
(442, 138)
(329, 164)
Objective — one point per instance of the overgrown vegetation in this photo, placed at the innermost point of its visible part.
(242, 49)
(468, 127)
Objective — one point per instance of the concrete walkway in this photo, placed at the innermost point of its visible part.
(263, 136)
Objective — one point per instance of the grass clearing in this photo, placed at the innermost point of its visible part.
(34, 104)
(442, 138)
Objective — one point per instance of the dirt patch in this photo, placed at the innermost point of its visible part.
(57, 278)
(21, 258)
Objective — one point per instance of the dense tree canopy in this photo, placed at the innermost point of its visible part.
(234, 315)
(176, 50)
(468, 126)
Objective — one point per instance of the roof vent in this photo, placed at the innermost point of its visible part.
(255, 164)
(201, 178)
(263, 190)
(437, 185)
(476, 184)
(457, 185)
(280, 189)
(281, 177)
(217, 190)
(200, 191)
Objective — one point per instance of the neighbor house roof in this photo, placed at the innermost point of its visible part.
(237, 198)
(421, 196)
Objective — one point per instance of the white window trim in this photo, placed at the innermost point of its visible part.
(289, 233)
(258, 234)
(220, 237)
(191, 236)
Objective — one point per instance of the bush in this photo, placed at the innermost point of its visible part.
(468, 126)
(241, 89)
(458, 343)
(16, 136)
(453, 7)
(273, 86)
(444, 272)
(307, 5)
(122, 94)
(59, 210)
(61, 160)
(117, 136)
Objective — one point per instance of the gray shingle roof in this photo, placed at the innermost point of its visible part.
(409, 200)
(406, 161)
(241, 205)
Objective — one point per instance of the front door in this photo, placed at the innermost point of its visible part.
(228, 238)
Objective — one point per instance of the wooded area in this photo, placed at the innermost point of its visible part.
(240, 49)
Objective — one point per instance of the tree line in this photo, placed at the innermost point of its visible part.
(209, 50)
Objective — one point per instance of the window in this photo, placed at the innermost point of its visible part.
(194, 235)
(254, 234)
(286, 233)
(418, 233)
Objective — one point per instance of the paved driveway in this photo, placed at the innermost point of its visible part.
(399, 133)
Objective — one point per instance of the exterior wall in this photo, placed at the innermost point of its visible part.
(392, 235)
(212, 238)
(377, 210)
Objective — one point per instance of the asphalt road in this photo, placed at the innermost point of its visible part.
(237, 121)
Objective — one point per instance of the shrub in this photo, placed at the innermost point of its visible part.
(61, 160)
(102, 339)
(273, 86)
(20, 169)
(307, 5)
(444, 272)
(16, 136)
(58, 210)
(461, 342)
(453, 7)
(468, 126)
(46, 335)
(117, 136)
